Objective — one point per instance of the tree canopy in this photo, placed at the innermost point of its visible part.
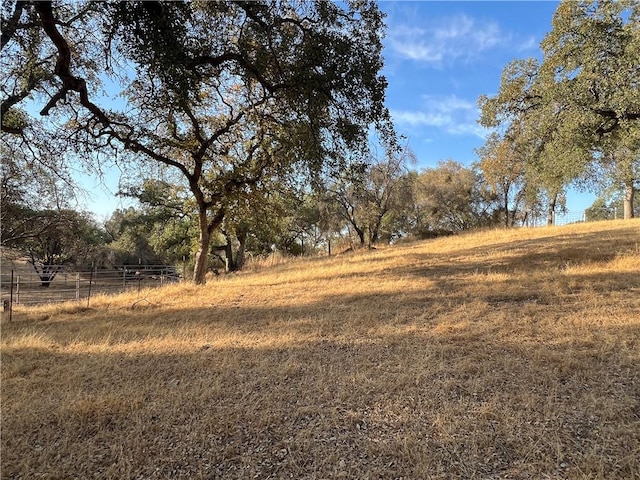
(226, 94)
(581, 105)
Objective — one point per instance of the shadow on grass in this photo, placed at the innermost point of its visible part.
(541, 252)
(341, 314)
(410, 404)
(415, 385)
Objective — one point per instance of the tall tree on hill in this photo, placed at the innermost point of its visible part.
(388, 192)
(545, 164)
(226, 93)
(504, 171)
(160, 230)
(592, 57)
(581, 105)
(65, 237)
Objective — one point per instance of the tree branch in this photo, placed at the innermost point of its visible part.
(10, 27)
(241, 61)
(63, 66)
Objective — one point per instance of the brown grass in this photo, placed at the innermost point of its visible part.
(495, 355)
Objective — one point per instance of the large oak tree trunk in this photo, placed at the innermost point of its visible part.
(202, 255)
(374, 230)
(628, 200)
(204, 241)
(360, 233)
(242, 239)
(552, 209)
(506, 209)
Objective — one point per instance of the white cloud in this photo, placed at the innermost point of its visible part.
(528, 44)
(468, 129)
(448, 103)
(410, 43)
(447, 40)
(449, 113)
(416, 119)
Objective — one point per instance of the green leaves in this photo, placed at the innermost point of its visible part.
(582, 103)
(227, 94)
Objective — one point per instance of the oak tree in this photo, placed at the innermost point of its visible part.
(580, 106)
(224, 93)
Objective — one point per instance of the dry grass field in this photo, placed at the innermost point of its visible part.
(493, 355)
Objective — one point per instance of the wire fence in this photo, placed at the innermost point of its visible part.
(563, 218)
(566, 218)
(32, 289)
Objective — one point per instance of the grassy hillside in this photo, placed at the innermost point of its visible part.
(501, 354)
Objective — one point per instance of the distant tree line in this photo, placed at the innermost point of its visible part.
(244, 128)
(382, 201)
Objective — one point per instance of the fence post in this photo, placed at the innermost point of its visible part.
(17, 289)
(90, 282)
(77, 286)
(11, 298)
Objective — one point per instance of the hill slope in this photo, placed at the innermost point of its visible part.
(502, 354)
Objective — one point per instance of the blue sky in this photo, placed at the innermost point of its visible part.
(439, 58)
